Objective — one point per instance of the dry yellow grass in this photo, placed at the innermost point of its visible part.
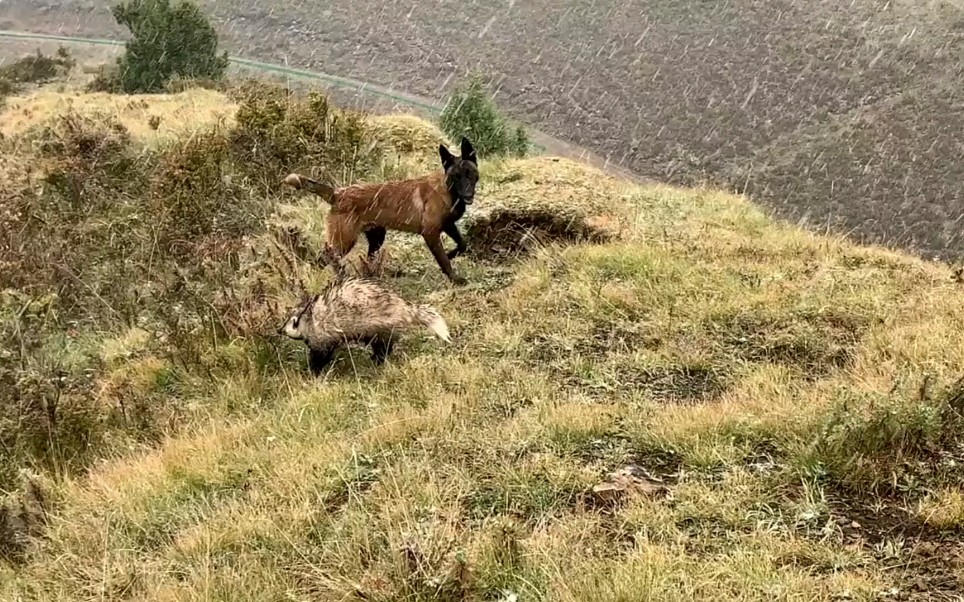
(413, 141)
(177, 114)
(943, 509)
(769, 376)
(547, 198)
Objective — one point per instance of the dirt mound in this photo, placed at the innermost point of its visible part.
(410, 141)
(541, 201)
(407, 134)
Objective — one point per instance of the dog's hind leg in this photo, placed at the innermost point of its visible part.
(341, 240)
(376, 238)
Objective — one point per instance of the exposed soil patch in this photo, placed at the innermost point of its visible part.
(506, 234)
(678, 384)
(929, 564)
(815, 343)
(923, 562)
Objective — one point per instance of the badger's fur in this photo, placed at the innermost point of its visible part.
(357, 310)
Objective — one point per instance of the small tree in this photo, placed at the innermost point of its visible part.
(471, 112)
(166, 41)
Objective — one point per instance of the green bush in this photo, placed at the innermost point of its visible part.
(471, 112)
(167, 41)
(107, 79)
(278, 132)
(889, 443)
(36, 68)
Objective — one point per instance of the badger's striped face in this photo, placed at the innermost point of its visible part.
(294, 327)
(291, 328)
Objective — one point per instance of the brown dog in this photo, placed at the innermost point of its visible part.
(429, 206)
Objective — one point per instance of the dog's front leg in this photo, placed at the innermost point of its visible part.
(434, 242)
(452, 229)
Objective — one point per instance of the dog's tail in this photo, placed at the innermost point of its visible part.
(430, 318)
(326, 192)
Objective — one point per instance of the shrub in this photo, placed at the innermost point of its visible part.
(45, 412)
(23, 517)
(889, 443)
(64, 236)
(82, 152)
(193, 197)
(38, 67)
(35, 68)
(278, 132)
(107, 79)
(167, 41)
(7, 88)
(471, 112)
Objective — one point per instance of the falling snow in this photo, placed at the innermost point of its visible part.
(855, 101)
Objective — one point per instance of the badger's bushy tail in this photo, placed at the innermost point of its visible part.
(431, 319)
(301, 182)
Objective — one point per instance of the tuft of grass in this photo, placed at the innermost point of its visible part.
(943, 509)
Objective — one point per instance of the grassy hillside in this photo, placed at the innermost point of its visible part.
(790, 402)
(840, 113)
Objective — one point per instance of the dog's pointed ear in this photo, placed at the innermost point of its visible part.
(468, 151)
(448, 159)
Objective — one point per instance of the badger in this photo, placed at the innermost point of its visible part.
(357, 310)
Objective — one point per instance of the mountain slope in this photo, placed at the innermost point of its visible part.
(790, 399)
(842, 113)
